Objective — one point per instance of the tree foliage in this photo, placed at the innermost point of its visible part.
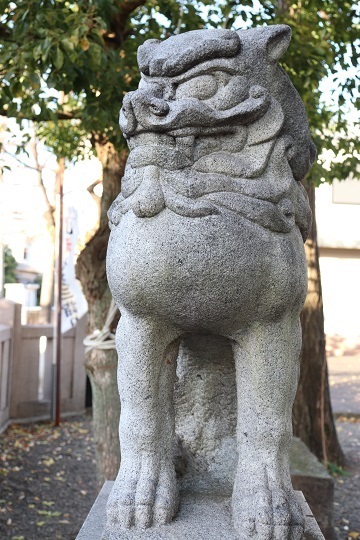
(10, 265)
(87, 50)
(324, 49)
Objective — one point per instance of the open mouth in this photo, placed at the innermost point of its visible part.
(161, 150)
(151, 139)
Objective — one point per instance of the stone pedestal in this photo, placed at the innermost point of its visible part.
(311, 477)
(201, 516)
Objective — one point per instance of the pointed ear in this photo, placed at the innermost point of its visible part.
(278, 40)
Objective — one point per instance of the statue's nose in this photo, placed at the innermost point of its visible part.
(149, 99)
(159, 107)
(141, 104)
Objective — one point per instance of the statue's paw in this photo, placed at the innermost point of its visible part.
(143, 497)
(268, 515)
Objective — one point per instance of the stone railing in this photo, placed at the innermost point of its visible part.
(26, 368)
(5, 350)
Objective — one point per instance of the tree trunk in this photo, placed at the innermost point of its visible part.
(47, 282)
(312, 413)
(101, 365)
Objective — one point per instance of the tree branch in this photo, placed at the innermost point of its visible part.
(118, 24)
(60, 115)
(129, 6)
(20, 161)
(179, 23)
(50, 207)
(4, 33)
(39, 169)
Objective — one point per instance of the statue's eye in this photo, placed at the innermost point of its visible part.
(201, 87)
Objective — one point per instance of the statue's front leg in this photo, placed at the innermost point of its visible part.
(267, 369)
(145, 490)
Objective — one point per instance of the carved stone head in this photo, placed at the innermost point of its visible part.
(210, 108)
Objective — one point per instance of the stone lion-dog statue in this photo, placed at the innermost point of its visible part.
(207, 238)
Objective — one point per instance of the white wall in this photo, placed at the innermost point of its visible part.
(338, 224)
(339, 227)
(340, 279)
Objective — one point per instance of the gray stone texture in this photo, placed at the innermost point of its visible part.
(312, 478)
(201, 516)
(207, 266)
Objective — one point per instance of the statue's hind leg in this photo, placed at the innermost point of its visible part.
(145, 489)
(267, 369)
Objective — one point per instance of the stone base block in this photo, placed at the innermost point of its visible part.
(200, 516)
(311, 477)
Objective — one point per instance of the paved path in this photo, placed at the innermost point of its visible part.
(347, 487)
(344, 374)
(345, 384)
(343, 356)
(344, 377)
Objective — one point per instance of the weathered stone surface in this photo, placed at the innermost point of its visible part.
(200, 516)
(311, 477)
(206, 254)
(205, 414)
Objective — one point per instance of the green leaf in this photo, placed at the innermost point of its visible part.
(59, 58)
(34, 81)
(84, 44)
(37, 51)
(45, 47)
(17, 89)
(95, 55)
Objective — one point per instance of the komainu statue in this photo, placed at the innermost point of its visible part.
(207, 239)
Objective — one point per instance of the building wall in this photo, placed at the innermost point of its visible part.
(339, 241)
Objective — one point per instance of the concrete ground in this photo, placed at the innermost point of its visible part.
(344, 376)
(347, 483)
(343, 356)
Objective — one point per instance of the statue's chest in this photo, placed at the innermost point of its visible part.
(178, 263)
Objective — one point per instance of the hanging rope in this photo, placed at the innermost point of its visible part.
(102, 339)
